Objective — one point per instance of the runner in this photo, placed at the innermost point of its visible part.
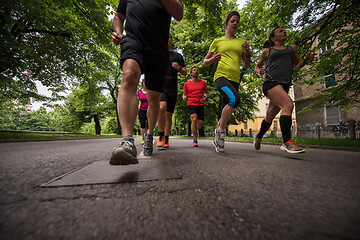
(142, 96)
(144, 49)
(169, 95)
(194, 91)
(281, 60)
(228, 51)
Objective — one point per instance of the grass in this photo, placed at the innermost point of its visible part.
(303, 141)
(16, 135)
(307, 141)
(299, 141)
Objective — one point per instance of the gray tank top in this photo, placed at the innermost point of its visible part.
(279, 65)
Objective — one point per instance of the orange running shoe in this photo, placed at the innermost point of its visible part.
(291, 147)
(161, 141)
(166, 143)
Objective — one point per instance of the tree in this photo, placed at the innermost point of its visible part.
(336, 23)
(44, 40)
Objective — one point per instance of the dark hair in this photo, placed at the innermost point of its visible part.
(229, 15)
(193, 68)
(269, 43)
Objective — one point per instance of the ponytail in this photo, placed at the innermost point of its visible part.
(269, 43)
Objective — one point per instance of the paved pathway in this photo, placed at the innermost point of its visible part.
(242, 194)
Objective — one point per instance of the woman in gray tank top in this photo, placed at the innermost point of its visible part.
(281, 60)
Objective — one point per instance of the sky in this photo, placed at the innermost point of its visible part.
(43, 90)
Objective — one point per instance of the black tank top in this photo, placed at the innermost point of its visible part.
(279, 65)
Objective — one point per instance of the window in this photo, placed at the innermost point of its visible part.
(325, 49)
(245, 125)
(329, 80)
(332, 116)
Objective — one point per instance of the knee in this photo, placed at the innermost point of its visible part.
(129, 80)
(162, 108)
(193, 118)
(289, 106)
(234, 100)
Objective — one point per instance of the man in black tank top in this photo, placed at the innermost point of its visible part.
(281, 60)
(143, 50)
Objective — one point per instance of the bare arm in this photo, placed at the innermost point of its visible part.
(300, 64)
(207, 94)
(118, 26)
(245, 57)
(263, 57)
(211, 58)
(184, 96)
(183, 71)
(174, 8)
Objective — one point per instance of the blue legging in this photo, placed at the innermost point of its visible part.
(229, 91)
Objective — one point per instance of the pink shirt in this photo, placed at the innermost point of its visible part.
(143, 99)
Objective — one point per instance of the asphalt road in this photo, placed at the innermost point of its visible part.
(242, 194)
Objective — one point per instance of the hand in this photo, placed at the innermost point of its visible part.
(261, 72)
(203, 100)
(184, 97)
(176, 66)
(246, 46)
(309, 57)
(116, 38)
(216, 57)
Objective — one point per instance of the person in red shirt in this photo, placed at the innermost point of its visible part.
(194, 91)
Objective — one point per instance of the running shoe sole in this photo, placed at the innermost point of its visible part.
(217, 148)
(291, 151)
(121, 157)
(255, 146)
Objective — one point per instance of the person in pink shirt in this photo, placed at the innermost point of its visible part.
(142, 96)
(194, 91)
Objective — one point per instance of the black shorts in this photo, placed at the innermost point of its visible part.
(153, 66)
(143, 118)
(199, 110)
(170, 99)
(267, 85)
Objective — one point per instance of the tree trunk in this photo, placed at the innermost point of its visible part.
(97, 125)
(118, 129)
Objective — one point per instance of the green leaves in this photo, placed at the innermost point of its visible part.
(44, 41)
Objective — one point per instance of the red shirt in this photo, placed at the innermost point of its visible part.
(195, 92)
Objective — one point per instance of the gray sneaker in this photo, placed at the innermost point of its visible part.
(219, 137)
(148, 146)
(124, 153)
(217, 147)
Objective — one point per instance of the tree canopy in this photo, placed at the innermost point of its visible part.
(66, 44)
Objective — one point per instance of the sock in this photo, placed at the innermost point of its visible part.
(285, 124)
(166, 139)
(264, 127)
(161, 134)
